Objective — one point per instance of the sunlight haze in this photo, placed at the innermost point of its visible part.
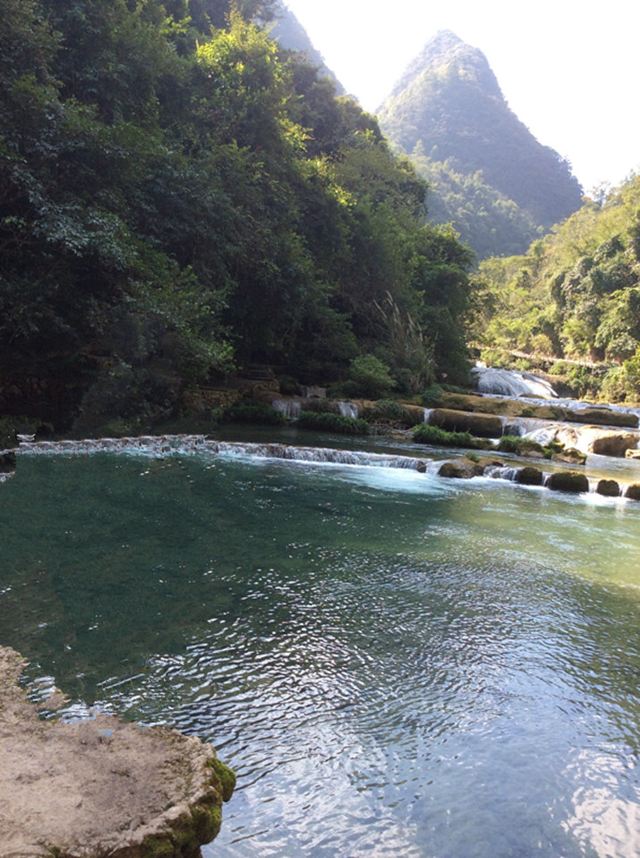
(568, 69)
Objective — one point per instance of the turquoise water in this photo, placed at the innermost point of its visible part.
(394, 664)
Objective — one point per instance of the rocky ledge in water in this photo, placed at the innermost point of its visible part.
(461, 467)
(101, 786)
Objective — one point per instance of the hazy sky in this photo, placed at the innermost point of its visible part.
(570, 70)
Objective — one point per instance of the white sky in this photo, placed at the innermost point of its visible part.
(569, 69)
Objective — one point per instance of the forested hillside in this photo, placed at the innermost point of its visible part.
(180, 198)
(490, 176)
(574, 295)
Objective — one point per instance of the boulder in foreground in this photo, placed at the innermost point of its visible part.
(102, 787)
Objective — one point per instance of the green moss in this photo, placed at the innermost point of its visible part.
(520, 446)
(389, 411)
(158, 847)
(432, 395)
(216, 820)
(204, 822)
(185, 839)
(226, 776)
(426, 434)
(332, 423)
(253, 412)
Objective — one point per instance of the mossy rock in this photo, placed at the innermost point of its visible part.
(226, 778)
(521, 446)
(529, 476)
(170, 819)
(425, 433)
(614, 444)
(480, 425)
(608, 488)
(568, 481)
(633, 492)
(570, 456)
(460, 469)
(391, 413)
(604, 417)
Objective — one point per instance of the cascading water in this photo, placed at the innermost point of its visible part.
(427, 415)
(169, 446)
(501, 472)
(507, 382)
(290, 408)
(348, 409)
(181, 445)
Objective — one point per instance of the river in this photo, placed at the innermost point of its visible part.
(394, 664)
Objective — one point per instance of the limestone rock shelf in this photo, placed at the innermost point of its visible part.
(102, 786)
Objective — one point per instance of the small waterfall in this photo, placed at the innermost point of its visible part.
(507, 382)
(348, 409)
(541, 431)
(180, 445)
(165, 446)
(290, 408)
(501, 472)
(427, 415)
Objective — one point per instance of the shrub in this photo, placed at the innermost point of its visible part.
(453, 388)
(426, 434)
(519, 446)
(388, 411)
(432, 395)
(325, 406)
(560, 367)
(527, 447)
(370, 377)
(326, 422)
(253, 412)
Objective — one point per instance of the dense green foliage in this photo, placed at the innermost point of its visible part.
(389, 412)
(575, 295)
(177, 202)
(324, 421)
(488, 221)
(520, 446)
(437, 437)
(253, 412)
(489, 175)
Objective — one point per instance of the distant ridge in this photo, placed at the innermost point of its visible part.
(289, 32)
(448, 113)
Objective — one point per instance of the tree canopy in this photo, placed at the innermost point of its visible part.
(575, 294)
(180, 197)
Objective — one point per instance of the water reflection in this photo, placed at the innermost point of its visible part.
(394, 664)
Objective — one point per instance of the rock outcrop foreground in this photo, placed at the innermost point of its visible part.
(102, 786)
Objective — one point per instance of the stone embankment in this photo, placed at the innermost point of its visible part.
(101, 787)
